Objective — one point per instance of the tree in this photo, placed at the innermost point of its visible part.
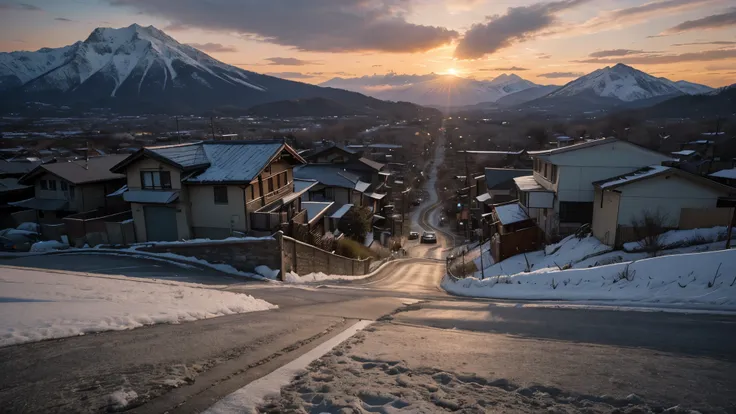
(356, 223)
(539, 134)
(648, 229)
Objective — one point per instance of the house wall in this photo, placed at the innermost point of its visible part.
(215, 221)
(666, 193)
(86, 197)
(182, 219)
(133, 172)
(577, 170)
(605, 216)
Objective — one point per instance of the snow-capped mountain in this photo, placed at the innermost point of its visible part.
(626, 84)
(143, 69)
(437, 90)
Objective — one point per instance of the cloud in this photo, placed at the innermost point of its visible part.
(517, 25)
(324, 26)
(713, 43)
(63, 19)
(632, 15)
(391, 78)
(715, 21)
(287, 61)
(18, 6)
(719, 67)
(617, 52)
(504, 69)
(706, 55)
(543, 56)
(290, 75)
(376, 66)
(213, 47)
(557, 75)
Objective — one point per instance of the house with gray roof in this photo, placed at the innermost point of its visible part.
(63, 188)
(213, 189)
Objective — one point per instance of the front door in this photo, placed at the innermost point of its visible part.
(160, 223)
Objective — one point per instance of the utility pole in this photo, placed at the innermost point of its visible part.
(482, 232)
(212, 126)
(178, 135)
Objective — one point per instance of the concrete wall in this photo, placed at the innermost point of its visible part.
(666, 193)
(243, 255)
(605, 216)
(302, 259)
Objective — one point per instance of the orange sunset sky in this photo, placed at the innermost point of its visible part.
(315, 40)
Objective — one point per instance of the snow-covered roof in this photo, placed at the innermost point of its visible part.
(316, 209)
(483, 197)
(528, 183)
(729, 174)
(587, 144)
(702, 142)
(341, 211)
(563, 138)
(510, 213)
(232, 163)
(479, 152)
(684, 152)
(637, 175)
(712, 134)
(376, 196)
(302, 184)
(331, 176)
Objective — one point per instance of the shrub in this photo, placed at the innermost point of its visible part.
(648, 229)
(356, 223)
(351, 248)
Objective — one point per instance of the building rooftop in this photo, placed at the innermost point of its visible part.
(331, 176)
(510, 213)
(496, 176)
(78, 172)
(341, 211)
(729, 174)
(316, 209)
(528, 183)
(639, 174)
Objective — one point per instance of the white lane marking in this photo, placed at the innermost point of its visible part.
(248, 398)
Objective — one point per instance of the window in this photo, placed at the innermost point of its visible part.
(270, 185)
(52, 185)
(155, 180)
(64, 186)
(220, 194)
(553, 174)
(44, 185)
(71, 191)
(576, 212)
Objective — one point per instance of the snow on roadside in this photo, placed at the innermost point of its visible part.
(47, 246)
(201, 241)
(291, 277)
(40, 305)
(267, 272)
(568, 251)
(674, 238)
(685, 279)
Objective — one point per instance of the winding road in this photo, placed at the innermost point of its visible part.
(664, 358)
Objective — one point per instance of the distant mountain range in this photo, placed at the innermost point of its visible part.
(438, 90)
(610, 87)
(143, 70)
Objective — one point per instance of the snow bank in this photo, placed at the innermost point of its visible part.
(203, 241)
(29, 226)
(267, 272)
(569, 251)
(291, 277)
(688, 279)
(675, 238)
(47, 246)
(38, 305)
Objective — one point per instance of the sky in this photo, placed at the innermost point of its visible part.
(547, 42)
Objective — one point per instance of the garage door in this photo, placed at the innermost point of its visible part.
(160, 223)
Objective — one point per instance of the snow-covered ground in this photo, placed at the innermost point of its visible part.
(37, 305)
(696, 280)
(676, 238)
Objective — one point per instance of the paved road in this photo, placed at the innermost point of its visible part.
(665, 358)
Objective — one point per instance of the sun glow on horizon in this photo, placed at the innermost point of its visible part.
(453, 72)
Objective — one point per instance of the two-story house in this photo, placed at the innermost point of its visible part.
(559, 195)
(212, 189)
(63, 188)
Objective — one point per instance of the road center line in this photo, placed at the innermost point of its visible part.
(247, 399)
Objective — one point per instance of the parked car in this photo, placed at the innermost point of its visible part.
(429, 237)
(443, 220)
(413, 235)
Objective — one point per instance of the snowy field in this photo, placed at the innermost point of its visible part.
(38, 305)
(696, 280)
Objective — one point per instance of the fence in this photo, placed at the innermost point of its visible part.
(97, 227)
(694, 218)
(302, 259)
(506, 245)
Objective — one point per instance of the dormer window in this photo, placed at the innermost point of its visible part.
(155, 180)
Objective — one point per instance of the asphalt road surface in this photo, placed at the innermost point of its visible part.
(441, 354)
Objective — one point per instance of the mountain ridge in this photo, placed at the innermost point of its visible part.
(142, 69)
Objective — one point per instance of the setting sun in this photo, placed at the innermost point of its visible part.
(453, 72)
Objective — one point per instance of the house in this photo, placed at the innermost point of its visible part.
(212, 189)
(561, 196)
(10, 188)
(514, 231)
(500, 185)
(680, 199)
(727, 176)
(334, 183)
(367, 170)
(64, 188)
